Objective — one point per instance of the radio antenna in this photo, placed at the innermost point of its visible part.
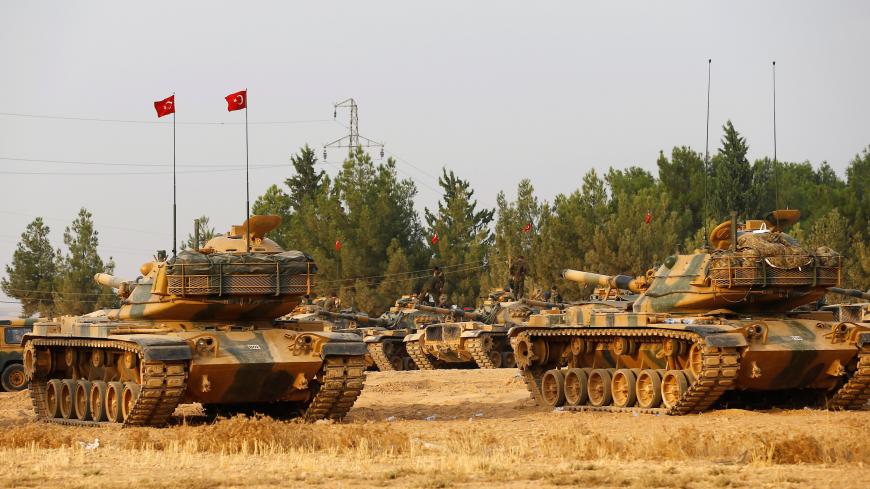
(775, 172)
(707, 153)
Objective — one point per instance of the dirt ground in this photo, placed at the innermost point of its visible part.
(439, 429)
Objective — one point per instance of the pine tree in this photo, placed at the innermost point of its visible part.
(398, 278)
(463, 238)
(307, 181)
(276, 202)
(731, 176)
(517, 233)
(206, 233)
(76, 292)
(31, 275)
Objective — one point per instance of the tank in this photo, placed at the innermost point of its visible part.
(12, 376)
(468, 339)
(723, 326)
(198, 327)
(858, 312)
(384, 336)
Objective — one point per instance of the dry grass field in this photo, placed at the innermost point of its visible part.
(455, 428)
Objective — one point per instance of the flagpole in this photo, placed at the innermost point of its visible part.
(247, 182)
(174, 213)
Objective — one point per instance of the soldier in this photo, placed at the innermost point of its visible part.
(437, 282)
(333, 303)
(555, 296)
(518, 276)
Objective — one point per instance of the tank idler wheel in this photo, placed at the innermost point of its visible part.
(98, 400)
(553, 388)
(495, 359)
(67, 391)
(600, 392)
(696, 360)
(52, 397)
(623, 388)
(397, 363)
(113, 402)
(674, 387)
(129, 397)
(576, 386)
(649, 389)
(82, 400)
(508, 360)
(13, 378)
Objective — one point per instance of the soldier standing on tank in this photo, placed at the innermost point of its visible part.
(555, 296)
(437, 282)
(333, 304)
(518, 276)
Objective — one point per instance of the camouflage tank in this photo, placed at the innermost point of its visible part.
(715, 327)
(12, 376)
(469, 339)
(197, 328)
(856, 312)
(384, 336)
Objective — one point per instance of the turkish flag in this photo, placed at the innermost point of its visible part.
(527, 228)
(237, 101)
(435, 238)
(648, 218)
(165, 106)
(337, 245)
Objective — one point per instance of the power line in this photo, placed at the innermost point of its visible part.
(137, 164)
(135, 121)
(109, 174)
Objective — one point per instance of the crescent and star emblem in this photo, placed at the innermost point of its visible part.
(239, 100)
(168, 105)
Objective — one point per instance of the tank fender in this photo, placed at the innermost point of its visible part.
(344, 349)
(726, 340)
(472, 333)
(412, 337)
(515, 330)
(863, 339)
(158, 347)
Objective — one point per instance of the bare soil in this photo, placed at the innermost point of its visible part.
(439, 429)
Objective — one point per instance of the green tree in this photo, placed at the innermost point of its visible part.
(76, 292)
(463, 238)
(307, 181)
(517, 232)
(206, 232)
(857, 198)
(682, 178)
(276, 202)
(731, 174)
(31, 275)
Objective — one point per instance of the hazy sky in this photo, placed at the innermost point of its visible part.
(497, 91)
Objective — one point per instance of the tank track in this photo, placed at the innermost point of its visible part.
(415, 351)
(163, 385)
(479, 352)
(380, 357)
(855, 393)
(342, 383)
(718, 371)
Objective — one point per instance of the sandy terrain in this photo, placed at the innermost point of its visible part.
(454, 428)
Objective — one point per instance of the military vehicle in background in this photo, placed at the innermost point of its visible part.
(857, 312)
(12, 376)
(708, 328)
(468, 338)
(198, 327)
(384, 336)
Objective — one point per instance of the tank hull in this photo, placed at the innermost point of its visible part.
(463, 344)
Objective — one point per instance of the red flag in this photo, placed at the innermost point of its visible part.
(165, 106)
(237, 101)
(648, 218)
(337, 245)
(527, 228)
(435, 238)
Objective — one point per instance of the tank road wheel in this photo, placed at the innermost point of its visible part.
(52, 397)
(649, 389)
(600, 393)
(67, 391)
(576, 386)
(129, 397)
(13, 378)
(553, 388)
(623, 388)
(113, 402)
(495, 359)
(508, 360)
(82, 400)
(674, 386)
(98, 400)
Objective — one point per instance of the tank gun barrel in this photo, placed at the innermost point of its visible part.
(850, 292)
(109, 280)
(359, 318)
(532, 302)
(450, 312)
(624, 282)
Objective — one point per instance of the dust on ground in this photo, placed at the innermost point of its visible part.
(439, 429)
